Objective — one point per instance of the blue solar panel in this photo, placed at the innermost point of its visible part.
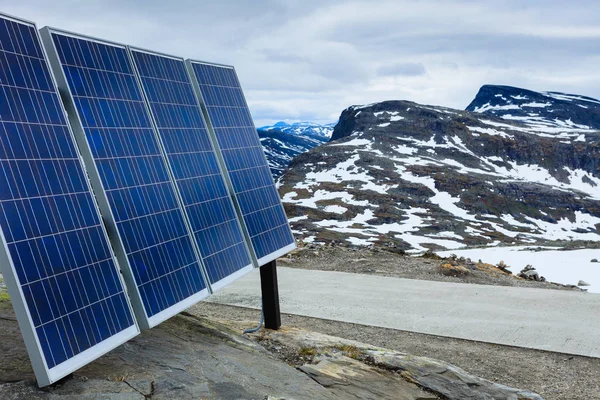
(141, 200)
(246, 164)
(194, 166)
(56, 258)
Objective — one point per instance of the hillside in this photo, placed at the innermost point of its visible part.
(282, 142)
(414, 177)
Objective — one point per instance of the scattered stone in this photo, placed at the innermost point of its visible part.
(503, 267)
(583, 283)
(531, 274)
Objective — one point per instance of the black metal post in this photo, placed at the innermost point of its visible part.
(270, 295)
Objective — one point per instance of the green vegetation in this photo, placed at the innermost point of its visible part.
(350, 350)
(4, 297)
(307, 351)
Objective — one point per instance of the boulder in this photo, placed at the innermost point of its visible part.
(594, 260)
(582, 283)
(530, 273)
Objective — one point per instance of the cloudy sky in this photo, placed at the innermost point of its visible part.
(307, 60)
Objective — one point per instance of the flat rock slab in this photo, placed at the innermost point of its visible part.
(551, 320)
(349, 378)
(183, 358)
(335, 370)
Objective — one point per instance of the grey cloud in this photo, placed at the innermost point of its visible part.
(309, 59)
(403, 69)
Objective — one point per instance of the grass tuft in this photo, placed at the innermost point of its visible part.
(307, 351)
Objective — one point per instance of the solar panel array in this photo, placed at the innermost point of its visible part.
(194, 165)
(133, 172)
(247, 167)
(61, 270)
(189, 205)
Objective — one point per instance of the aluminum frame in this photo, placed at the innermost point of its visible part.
(44, 375)
(276, 254)
(216, 286)
(144, 321)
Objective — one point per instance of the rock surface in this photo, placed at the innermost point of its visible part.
(344, 376)
(183, 358)
(333, 366)
(190, 357)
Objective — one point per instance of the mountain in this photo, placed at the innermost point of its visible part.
(302, 129)
(280, 147)
(546, 111)
(282, 142)
(414, 177)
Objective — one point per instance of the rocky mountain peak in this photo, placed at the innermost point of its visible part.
(545, 111)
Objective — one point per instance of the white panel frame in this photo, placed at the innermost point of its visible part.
(258, 262)
(44, 375)
(144, 321)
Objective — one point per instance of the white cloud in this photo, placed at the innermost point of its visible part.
(306, 59)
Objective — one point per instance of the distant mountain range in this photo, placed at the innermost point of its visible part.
(302, 129)
(282, 142)
(518, 167)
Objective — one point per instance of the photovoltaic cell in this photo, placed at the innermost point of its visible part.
(248, 170)
(164, 269)
(194, 165)
(56, 258)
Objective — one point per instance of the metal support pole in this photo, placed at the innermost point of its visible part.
(270, 295)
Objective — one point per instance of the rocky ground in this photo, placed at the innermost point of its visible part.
(193, 356)
(183, 358)
(202, 353)
(379, 261)
(554, 376)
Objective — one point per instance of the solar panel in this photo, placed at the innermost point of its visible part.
(247, 167)
(130, 174)
(194, 165)
(57, 262)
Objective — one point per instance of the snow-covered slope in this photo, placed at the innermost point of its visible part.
(281, 147)
(302, 129)
(544, 113)
(414, 177)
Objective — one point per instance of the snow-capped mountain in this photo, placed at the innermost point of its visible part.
(414, 177)
(302, 129)
(281, 147)
(546, 112)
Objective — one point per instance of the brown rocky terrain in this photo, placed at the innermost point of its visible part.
(385, 262)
